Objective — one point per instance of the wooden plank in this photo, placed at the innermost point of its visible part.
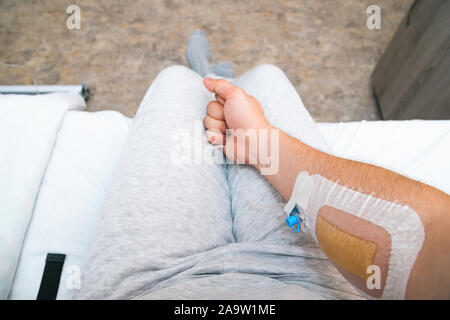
(430, 97)
(400, 46)
(414, 67)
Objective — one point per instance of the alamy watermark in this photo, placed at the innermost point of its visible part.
(374, 19)
(250, 146)
(73, 280)
(373, 22)
(374, 280)
(74, 19)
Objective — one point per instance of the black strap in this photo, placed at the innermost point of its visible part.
(51, 277)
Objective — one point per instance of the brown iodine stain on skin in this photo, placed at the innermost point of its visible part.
(370, 243)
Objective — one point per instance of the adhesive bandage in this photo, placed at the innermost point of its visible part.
(388, 238)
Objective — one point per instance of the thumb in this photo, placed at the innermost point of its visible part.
(222, 87)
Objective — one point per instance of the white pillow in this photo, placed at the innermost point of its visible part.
(28, 129)
(70, 199)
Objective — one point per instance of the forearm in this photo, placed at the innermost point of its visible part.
(430, 275)
(296, 156)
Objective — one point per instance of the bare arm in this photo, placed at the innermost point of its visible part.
(430, 277)
(430, 274)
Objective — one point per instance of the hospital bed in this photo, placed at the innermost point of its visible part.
(57, 161)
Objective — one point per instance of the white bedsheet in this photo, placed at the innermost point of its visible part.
(88, 147)
(418, 149)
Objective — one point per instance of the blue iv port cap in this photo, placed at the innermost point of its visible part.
(293, 222)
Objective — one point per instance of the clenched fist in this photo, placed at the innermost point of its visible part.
(238, 112)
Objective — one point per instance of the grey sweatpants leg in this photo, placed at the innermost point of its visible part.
(159, 212)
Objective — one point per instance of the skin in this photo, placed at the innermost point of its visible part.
(430, 275)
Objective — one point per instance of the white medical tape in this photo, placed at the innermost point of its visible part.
(312, 192)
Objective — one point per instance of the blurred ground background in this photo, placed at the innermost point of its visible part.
(323, 46)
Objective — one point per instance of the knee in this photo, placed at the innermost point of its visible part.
(268, 71)
(176, 71)
(175, 76)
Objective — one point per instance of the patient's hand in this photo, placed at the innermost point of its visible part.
(233, 109)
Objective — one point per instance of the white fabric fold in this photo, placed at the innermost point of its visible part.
(28, 129)
(70, 198)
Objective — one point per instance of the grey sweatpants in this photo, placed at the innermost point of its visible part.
(186, 229)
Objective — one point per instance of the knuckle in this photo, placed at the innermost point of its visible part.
(209, 107)
(206, 122)
(214, 109)
(237, 92)
(234, 92)
(212, 105)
